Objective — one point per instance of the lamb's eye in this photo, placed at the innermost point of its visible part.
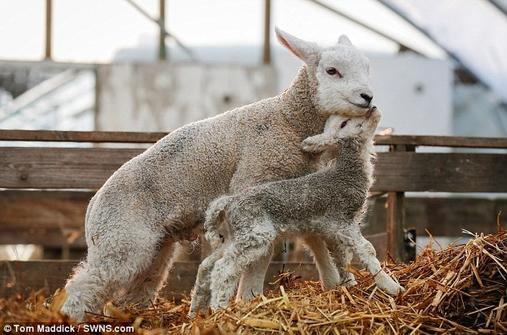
(344, 123)
(333, 71)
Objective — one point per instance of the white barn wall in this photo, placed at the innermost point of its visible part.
(415, 93)
(163, 97)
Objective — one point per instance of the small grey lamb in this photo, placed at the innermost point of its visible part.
(330, 202)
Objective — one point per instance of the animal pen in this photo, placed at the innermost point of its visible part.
(427, 188)
(57, 182)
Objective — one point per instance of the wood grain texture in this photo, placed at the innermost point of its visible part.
(89, 168)
(150, 137)
(24, 276)
(43, 209)
(440, 172)
(395, 225)
(81, 136)
(442, 141)
(60, 168)
(442, 216)
(48, 217)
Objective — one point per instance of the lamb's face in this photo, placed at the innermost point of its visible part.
(359, 127)
(343, 84)
(341, 72)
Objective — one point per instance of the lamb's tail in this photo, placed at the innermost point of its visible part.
(213, 219)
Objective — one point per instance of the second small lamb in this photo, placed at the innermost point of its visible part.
(329, 203)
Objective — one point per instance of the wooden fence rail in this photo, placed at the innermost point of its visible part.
(56, 169)
(25, 276)
(89, 168)
(151, 137)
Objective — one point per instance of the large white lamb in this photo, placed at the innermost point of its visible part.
(160, 196)
(329, 203)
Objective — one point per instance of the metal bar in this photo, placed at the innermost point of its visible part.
(266, 54)
(423, 31)
(49, 29)
(498, 5)
(162, 52)
(364, 25)
(166, 33)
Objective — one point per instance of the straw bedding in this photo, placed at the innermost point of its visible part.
(461, 289)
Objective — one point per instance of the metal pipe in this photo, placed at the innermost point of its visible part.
(266, 53)
(423, 31)
(364, 25)
(162, 52)
(48, 32)
(166, 33)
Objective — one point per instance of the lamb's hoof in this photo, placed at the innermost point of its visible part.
(192, 314)
(349, 281)
(329, 285)
(390, 287)
(218, 305)
(76, 313)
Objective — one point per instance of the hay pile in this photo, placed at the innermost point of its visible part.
(461, 289)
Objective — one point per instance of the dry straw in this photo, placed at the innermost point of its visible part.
(461, 289)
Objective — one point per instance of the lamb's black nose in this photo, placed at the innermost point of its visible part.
(366, 97)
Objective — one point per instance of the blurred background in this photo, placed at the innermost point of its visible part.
(439, 67)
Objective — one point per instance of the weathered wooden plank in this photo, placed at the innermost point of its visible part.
(440, 172)
(46, 237)
(442, 216)
(24, 276)
(88, 168)
(43, 209)
(395, 224)
(395, 216)
(39, 217)
(150, 137)
(68, 168)
(442, 141)
(80, 136)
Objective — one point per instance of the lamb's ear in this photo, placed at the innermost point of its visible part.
(302, 49)
(344, 40)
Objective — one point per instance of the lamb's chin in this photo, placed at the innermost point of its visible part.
(346, 109)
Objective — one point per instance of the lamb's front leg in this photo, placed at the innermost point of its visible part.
(327, 139)
(342, 255)
(328, 273)
(250, 244)
(201, 294)
(318, 143)
(252, 279)
(366, 255)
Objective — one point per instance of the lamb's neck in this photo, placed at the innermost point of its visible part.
(299, 107)
(355, 158)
